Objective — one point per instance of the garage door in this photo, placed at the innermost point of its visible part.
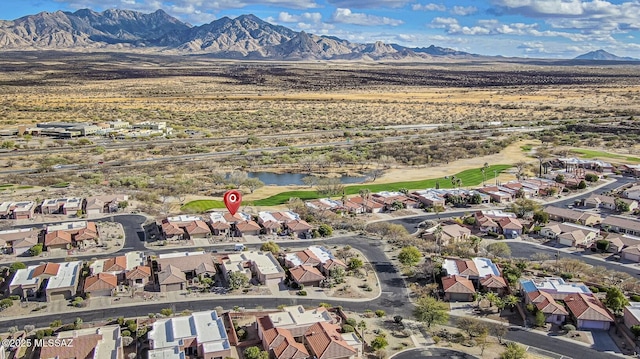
(631, 257)
(174, 287)
(591, 324)
(60, 295)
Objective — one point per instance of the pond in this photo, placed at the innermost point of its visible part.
(285, 179)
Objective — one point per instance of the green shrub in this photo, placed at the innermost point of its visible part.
(346, 328)
(351, 321)
(242, 334)
(596, 290)
(633, 297)
(302, 293)
(380, 313)
(568, 327)
(530, 308)
(126, 333)
(14, 297)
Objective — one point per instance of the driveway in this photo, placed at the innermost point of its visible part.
(602, 342)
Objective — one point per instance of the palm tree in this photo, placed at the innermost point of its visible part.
(365, 193)
(511, 301)
(437, 234)
(475, 243)
(492, 298)
(484, 169)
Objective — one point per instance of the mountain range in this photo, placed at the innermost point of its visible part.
(245, 37)
(601, 55)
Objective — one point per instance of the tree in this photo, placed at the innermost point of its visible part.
(514, 351)
(635, 329)
(270, 246)
(621, 206)
(484, 169)
(337, 274)
(310, 181)
(325, 230)
(498, 330)
(559, 178)
(380, 342)
(475, 243)
(616, 300)
(253, 184)
(540, 320)
(541, 217)
(255, 353)
(582, 185)
(591, 177)
(237, 178)
(409, 256)
(355, 263)
(499, 249)
(476, 198)
(237, 280)
(469, 325)
(511, 301)
(431, 311)
(36, 250)
(123, 205)
(523, 207)
(482, 338)
(330, 186)
(16, 265)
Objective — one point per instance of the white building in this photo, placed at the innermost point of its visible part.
(263, 265)
(200, 334)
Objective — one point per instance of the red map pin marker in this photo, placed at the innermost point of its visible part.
(232, 199)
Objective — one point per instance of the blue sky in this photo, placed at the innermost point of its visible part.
(526, 28)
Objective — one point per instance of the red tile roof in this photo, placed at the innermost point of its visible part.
(197, 227)
(101, 281)
(283, 344)
(247, 226)
(587, 308)
(138, 272)
(333, 263)
(457, 284)
(308, 257)
(493, 281)
(57, 238)
(306, 274)
(326, 343)
(47, 268)
(115, 264)
(467, 267)
(83, 347)
(298, 225)
(171, 229)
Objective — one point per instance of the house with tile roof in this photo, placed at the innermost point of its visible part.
(296, 319)
(306, 275)
(138, 276)
(101, 284)
(299, 228)
(608, 202)
(174, 270)
(368, 205)
(621, 225)
(97, 205)
(588, 312)
(494, 283)
(510, 227)
(553, 311)
(556, 287)
(246, 228)
(325, 342)
(572, 216)
(19, 241)
(429, 198)
(197, 229)
(200, 334)
(280, 344)
(570, 234)
(171, 231)
(96, 343)
(390, 200)
(458, 289)
(318, 256)
(57, 240)
(451, 233)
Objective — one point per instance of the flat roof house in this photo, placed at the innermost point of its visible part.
(556, 287)
(261, 265)
(201, 334)
(61, 280)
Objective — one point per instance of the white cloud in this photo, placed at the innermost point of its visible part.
(429, 7)
(464, 10)
(313, 17)
(367, 4)
(346, 16)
